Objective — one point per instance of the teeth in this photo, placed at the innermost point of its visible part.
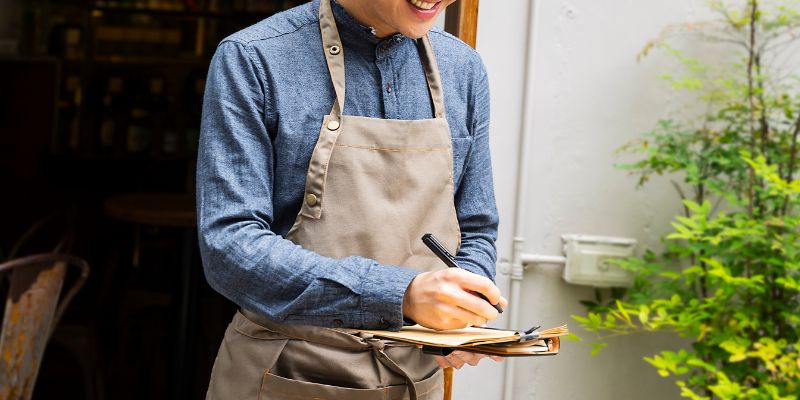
(421, 4)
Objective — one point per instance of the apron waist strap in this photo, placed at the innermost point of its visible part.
(314, 334)
(377, 349)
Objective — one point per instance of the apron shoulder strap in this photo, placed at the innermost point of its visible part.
(334, 53)
(428, 58)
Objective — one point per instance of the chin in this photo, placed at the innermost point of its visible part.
(416, 32)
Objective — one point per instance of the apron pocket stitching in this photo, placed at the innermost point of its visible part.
(395, 149)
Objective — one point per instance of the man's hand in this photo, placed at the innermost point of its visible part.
(445, 299)
(458, 358)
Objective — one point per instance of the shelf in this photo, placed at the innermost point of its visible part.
(134, 61)
(99, 10)
(126, 60)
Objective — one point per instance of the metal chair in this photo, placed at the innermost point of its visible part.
(33, 308)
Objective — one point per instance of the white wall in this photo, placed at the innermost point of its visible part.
(589, 97)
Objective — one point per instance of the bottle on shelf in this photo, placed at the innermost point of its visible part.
(139, 128)
(66, 41)
(75, 124)
(157, 104)
(170, 140)
(111, 121)
(69, 115)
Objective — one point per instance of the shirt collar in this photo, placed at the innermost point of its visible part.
(359, 37)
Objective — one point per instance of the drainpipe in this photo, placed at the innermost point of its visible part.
(517, 269)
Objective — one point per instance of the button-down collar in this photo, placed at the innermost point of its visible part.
(361, 38)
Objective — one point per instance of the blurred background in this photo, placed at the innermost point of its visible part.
(100, 106)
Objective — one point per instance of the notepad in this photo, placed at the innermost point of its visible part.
(479, 340)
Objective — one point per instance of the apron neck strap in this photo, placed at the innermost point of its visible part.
(428, 58)
(334, 55)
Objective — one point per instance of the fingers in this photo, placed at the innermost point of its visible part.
(458, 359)
(442, 361)
(480, 285)
(449, 361)
(503, 303)
(477, 283)
(465, 289)
(446, 299)
(467, 357)
(471, 302)
(462, 317)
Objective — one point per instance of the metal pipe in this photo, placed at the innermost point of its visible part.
(517, 267)
(540, 259)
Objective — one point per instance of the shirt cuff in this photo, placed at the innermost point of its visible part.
(382, 296)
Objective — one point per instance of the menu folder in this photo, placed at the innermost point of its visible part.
(498, 342)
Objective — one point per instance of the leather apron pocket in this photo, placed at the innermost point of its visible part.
(275, 387)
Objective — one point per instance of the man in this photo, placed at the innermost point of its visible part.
(334, 136)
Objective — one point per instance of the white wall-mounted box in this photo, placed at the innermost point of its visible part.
(589, 260)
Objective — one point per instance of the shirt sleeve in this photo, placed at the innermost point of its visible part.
(243, 258)
(474, 198)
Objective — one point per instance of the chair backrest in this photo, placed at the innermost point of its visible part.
(32, 311)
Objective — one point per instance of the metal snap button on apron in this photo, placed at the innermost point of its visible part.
(333, 125)
(335, 50)
(311, 199)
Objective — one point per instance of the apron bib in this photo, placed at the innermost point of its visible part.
(373, 188)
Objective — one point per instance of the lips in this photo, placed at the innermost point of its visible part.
(422, 5)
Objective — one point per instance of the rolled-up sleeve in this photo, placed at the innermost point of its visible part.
(243, 258)
(474, 198)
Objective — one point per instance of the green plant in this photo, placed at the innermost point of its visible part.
(729, 276)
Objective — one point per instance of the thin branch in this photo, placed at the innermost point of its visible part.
(763, 122)
(792, 160)
(750, 97)
(682, 195)
(715, 208)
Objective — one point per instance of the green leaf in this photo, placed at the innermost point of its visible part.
(597, 347)
(644, 314)
(573, 337)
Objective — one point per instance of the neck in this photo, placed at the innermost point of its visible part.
(360, 13)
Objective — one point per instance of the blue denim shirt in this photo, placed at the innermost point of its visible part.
(268, 89)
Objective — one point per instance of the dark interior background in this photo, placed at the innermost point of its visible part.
(100, 99)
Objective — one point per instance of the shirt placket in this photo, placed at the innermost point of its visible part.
(384, 53)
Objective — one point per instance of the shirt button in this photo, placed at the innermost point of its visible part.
(337, 322)
(311, 199)
(333, 125)
(389, 88)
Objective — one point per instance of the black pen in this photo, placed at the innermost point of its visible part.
(444, 255)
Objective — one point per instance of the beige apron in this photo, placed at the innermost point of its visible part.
(373, 188)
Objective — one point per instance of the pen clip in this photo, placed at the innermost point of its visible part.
(530, 334)
(529, 331)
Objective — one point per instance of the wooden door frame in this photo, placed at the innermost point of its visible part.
(461, 20)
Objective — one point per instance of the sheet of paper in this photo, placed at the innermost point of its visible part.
(450, 338)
